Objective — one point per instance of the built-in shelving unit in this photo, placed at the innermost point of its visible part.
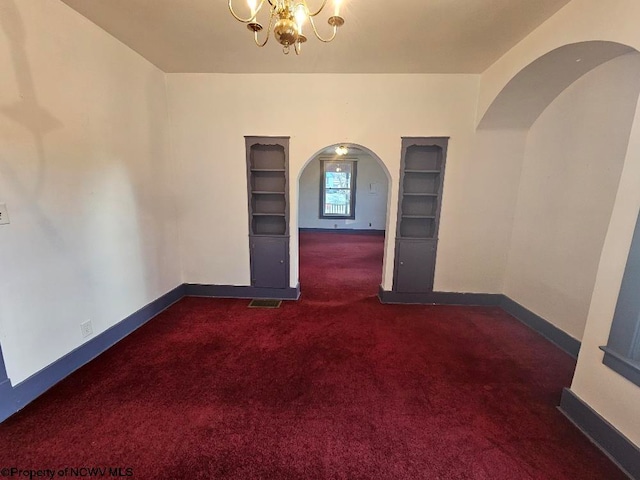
(420, 190)
(267, 180)
(421, 179)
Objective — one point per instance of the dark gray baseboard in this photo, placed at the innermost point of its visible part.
(356, 231)
(604, 435)
(7, 407)
(13, 399)
(549, 331)
(235, 291)
(440, 298)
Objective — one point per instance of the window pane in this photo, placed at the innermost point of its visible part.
(337, 175)
(338, 193)
(337, 180)
(337, 202)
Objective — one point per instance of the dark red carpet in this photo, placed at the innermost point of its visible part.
(335, 386)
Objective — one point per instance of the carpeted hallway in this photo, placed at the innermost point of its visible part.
(334, 386)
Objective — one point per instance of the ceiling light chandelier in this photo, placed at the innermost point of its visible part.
(286, 18)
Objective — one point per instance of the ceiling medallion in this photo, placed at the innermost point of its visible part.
(286, 19)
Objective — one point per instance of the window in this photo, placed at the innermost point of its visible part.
(622, 352)
(338, 189)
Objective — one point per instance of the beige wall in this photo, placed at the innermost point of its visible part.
(613, 397)
(608, 393)
(84, 171)
(572, 165)
(211, 114)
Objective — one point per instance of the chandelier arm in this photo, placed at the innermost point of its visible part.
(255, 34)
(250, 19)
(317, 12)
(315, 31)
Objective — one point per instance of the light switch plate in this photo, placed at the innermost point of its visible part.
(4, 214)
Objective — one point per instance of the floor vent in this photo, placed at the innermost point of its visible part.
(257, 303)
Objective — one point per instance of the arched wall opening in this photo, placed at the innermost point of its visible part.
(372, 199)
(576, 106)
(535, 87)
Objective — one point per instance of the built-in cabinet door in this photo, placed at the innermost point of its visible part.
(415, 265)
(269, 262)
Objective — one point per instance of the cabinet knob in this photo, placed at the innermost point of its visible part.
(401, 263)
(281, 261)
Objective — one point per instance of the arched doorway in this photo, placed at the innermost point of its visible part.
(343, 206)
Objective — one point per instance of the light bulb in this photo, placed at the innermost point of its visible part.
(337, 7)
(252, 5)
(301, 17)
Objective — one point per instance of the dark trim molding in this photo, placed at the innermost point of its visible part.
(622, 365)
(549, 331)
(34, 386)
(343, 230)
(440, 298)
(603, 435)
(14, 398)
(7, 406)
(235, 291)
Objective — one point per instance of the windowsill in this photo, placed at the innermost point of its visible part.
(627, 367)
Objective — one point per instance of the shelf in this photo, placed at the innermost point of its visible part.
(419, 216)
(268, 225)
(422, 171)
(408, 194)
(268, 170)
(267, 156)
(416, 226)
(265, 192)
(423, 157)
(256, 214)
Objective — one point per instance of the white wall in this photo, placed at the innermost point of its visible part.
(84, 171)
(371, 206)
(212, 113)
(573, 159)
(609, 394)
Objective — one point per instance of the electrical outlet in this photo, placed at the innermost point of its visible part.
(4, 214)
(86, 328)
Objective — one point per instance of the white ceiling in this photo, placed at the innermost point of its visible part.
(379, 36)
